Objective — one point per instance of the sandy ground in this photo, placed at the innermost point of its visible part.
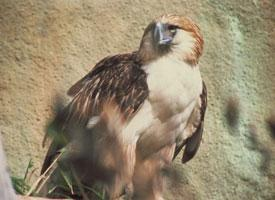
(46, 46)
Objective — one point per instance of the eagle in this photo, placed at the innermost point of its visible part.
(133, 113)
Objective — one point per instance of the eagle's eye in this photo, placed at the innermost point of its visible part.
(172, 28)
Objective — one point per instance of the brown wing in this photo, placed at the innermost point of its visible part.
(119, 79)
(192, 144)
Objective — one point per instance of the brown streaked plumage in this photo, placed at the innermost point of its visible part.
(160, 99)
(116, 78)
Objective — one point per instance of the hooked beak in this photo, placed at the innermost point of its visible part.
(161, 34)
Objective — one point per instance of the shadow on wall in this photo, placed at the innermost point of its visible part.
(232, 115)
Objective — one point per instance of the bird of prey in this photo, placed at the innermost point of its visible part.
(138, 111)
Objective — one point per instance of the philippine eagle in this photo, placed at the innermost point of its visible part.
(133, 113)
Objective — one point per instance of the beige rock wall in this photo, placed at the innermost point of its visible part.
(45, 46)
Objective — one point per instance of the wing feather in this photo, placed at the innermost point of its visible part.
(119, 79)
(192, 144)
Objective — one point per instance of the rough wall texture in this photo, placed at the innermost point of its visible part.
(46, 46)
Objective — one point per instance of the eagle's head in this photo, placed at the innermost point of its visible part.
(171, 35)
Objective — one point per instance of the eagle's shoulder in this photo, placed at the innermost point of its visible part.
(121, 63)
(119, 78)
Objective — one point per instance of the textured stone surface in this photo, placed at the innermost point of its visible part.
(46, 46)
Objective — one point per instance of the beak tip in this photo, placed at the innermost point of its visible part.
(165, 41)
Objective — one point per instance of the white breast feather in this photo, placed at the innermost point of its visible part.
(173, 81)
(174, 87)
(183, 43)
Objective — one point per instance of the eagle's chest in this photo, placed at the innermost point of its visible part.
(174, 87)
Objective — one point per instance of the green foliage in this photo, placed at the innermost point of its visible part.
(68, 183)
(20, 185)
(99, 195)
(73, 186)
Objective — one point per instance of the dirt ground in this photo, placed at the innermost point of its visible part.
(46, 46)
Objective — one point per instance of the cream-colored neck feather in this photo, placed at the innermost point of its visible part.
(183, 45)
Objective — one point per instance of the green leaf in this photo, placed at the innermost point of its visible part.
(68, 180)
(19, 185)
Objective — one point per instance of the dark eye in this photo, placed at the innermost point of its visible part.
(172, 28)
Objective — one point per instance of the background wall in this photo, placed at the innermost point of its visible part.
(46, 46)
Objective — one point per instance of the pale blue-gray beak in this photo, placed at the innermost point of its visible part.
(162, 35)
